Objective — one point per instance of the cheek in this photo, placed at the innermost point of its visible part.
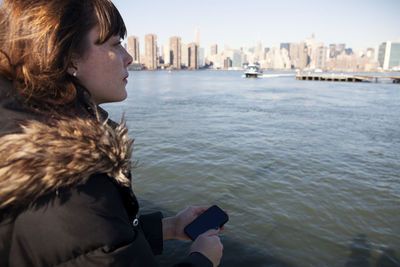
(96, 70)
(101, 74)
(108, 67)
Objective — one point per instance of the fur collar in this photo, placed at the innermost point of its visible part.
(44, 157)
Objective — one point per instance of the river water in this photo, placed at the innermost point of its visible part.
(309, 171)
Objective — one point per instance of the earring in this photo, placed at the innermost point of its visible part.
(74, 74)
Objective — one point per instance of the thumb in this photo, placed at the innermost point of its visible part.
(211, 232)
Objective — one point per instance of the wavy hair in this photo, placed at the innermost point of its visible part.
(39, 38)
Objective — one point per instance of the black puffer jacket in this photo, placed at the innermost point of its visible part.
(65, 194)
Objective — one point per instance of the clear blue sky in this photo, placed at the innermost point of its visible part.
(357, 23)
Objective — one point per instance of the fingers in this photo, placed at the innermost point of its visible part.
(200, 209)
(209, 244)
(211, 232)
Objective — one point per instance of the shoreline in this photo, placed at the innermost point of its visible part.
(270, 70)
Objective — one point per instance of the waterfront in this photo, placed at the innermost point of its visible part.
(309, 171)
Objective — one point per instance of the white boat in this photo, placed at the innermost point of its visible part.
(252, 71)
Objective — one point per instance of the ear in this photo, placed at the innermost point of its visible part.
(71, 70)
(73, 65)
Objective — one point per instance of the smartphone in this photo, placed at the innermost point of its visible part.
(212, 218)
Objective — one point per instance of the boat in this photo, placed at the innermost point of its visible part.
(253, 71)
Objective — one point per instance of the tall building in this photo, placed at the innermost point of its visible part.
(298, 55)
(227, 63)
(237, 59)
(185, 55)
(133, 48)
(193, 56)
(258, 52)
(266, 50)
(310, 43)
(165, 55)
(151, 51)
(214, 49)
(286, 46)
(201, 57)
(175, 52)
(381, 54)
(392, 56)
(197, 36)
(336, 49)
(304, 59)
(321, 54)
(199, 53)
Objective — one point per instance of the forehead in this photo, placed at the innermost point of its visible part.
(94, 36)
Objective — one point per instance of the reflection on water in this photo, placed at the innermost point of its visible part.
(307, 170)
(361, 255)
(360, 252)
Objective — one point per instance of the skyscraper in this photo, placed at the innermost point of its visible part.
(193, 56)
(321, 54)
(185, 55)
(165, 54)
(214, 49)
(258, 51)
(197, 36)
(336, 49)
(392, 56)
(285, 46)
(227, 63)
(151, 51)
(133, 48)
(237, 59)
(381, 54)
(201, 57)
(175, 52)
(298, 55)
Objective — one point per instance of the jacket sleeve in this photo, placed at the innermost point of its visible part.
(195, 259)
(151, 225)
(84, 226)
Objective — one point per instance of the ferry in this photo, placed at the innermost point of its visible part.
(253, 71)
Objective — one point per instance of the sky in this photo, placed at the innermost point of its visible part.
(357, 23)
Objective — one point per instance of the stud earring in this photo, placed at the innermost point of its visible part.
(74, 74)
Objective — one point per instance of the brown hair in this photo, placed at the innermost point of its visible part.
(38, 39)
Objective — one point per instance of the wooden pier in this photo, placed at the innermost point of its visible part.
(347, 78)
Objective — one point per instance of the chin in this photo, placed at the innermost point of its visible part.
(122, 97)
(119, 95)
(113, 99)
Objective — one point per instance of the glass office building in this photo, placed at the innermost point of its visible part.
(392, 56)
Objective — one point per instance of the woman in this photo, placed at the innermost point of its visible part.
(65, 186)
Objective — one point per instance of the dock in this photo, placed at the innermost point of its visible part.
(333, 77)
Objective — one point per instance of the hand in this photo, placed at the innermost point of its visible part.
(173, 226)
(209, 245)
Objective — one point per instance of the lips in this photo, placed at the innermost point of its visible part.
(126, 78)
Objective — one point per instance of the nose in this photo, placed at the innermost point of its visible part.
(128, 59)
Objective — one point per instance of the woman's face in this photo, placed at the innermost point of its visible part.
(103, 69)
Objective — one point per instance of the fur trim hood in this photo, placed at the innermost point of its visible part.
(45, 157)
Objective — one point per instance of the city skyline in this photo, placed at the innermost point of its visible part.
(308, 54)
(358, 24)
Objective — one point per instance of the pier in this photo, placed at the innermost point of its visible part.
(347, 78)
